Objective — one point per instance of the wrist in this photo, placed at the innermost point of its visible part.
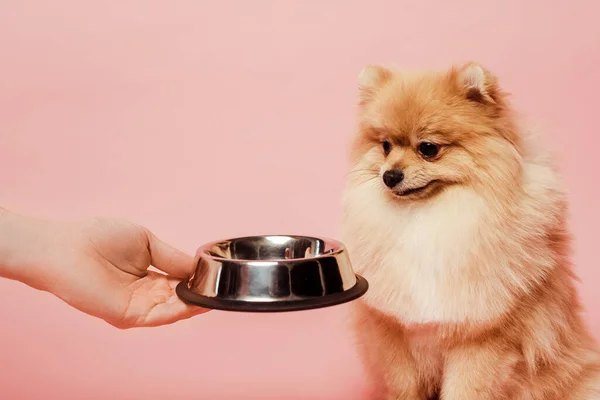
(21, 239)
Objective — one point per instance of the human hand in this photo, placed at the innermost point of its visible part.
(100, 267)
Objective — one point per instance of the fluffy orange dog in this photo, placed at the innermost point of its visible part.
(457, 219)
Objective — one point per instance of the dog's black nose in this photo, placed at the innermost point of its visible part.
(392, 177)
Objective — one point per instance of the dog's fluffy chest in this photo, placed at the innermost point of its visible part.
(419, 259)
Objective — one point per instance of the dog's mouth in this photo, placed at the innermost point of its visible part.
(416, 191)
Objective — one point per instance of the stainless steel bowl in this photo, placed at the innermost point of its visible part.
(271, 274)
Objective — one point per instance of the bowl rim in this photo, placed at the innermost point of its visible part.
(215, 303)
(337, 248)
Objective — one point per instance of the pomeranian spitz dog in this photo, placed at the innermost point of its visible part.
(457, 219)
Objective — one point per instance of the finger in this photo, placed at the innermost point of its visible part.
(171, 309)
(170, 312)
(154, 302)
(169, 259)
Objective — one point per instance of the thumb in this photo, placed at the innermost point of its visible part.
(169, 259)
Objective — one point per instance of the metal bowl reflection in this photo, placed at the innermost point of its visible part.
(271, 274)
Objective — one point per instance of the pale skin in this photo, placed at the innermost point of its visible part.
(98, 266)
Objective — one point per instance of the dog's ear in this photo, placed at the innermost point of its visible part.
(477, 84)
(371, 79)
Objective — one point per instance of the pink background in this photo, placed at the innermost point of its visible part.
(204, 120)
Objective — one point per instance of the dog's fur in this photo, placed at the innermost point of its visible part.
(471, 290)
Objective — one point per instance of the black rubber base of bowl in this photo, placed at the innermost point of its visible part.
(196, 299)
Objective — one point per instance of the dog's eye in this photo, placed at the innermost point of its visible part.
(428, 149)
(387, 147)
